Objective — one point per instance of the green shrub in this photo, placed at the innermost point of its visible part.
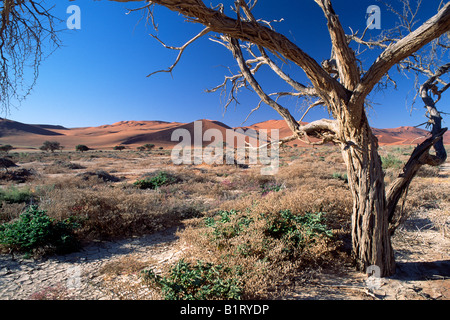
(35, 229)
(391, 161)
(51, 146)
(340, 176)
(14, 195)
(202, 281)
(160, 179)
(81, 148)
(149, 146)
(224, 227)
(6, 148)
(120, 148)
(273, 187)
(294, 231)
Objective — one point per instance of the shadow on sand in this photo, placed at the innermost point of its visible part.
(419, 271)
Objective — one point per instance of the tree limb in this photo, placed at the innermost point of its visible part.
(181, 49)
(420, 155)
(399, 187)
(344, 55)
(217, 21)
(431, 29)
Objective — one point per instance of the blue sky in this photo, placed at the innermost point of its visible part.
(99, 75)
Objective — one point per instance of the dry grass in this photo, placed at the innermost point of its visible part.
(124, 266)
(309, 180)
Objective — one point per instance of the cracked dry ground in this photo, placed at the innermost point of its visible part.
(109, 270)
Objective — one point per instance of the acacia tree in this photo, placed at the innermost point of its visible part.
(342, 86)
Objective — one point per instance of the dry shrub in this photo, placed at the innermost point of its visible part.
(425, 194)
(328, 196)
(108, 212)
(20, 175)
(10, 211)
(57, 292)
(129, 264)
(262, 262)
(98, 175)
(428, 172)
(61, 166)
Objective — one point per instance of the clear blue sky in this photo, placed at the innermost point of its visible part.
(99, 74)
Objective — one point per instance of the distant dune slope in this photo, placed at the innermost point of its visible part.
(11, 128)
(165, 135)
(400, 135)
(136, 133)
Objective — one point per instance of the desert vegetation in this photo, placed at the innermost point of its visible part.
(248, 235)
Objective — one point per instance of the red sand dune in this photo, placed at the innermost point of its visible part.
(394, 136)
(136, 133)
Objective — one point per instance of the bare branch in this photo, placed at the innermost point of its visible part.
(420, 155)
(27, 29)
(344, 55)
(265, 57)
(258, 34)
(237, 53)
(431, 29)
(181, 49)
(315, 104)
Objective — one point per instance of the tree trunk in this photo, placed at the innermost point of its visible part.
(371, 239)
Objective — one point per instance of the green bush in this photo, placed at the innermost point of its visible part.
(81, 148)
(51, 146)
(294, 231)
(340, 176)
(391, 161)
(35, 229)
(272, 187)
(160, 179)
(149, 146)
(14, 195)
(202, 281)
(120, 148)
(224, 227)
(6, 148)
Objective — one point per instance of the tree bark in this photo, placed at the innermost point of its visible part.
(371, 240)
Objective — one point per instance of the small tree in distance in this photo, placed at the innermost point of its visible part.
(81, 148)
(51, 146)
(120, 148)
(149, 146)
(6, 148)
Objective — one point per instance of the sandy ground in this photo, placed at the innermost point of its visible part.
(422, 247)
